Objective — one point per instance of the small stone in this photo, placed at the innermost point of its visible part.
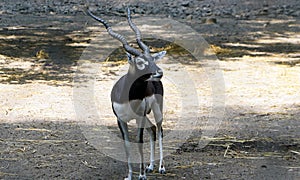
(185, 3)
(279, 11)
(264, 11)
(263, 166)
(296, 13)
(155, 10)
(207, 9)
(217, 13)
(210, 20)
(189, 17)
(273, 15)
(289, 12)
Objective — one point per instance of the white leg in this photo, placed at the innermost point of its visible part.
(127, 148)
(152, 132)
(124, 130)
(157, 111)
(140, 146)
(161, 169)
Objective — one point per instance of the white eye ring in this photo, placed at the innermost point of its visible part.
(141, 63)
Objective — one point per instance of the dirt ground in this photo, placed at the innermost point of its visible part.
(258, 47)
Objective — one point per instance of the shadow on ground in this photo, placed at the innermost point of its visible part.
(47, 150)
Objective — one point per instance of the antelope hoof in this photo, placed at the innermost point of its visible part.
(162, 170)
(142, 177)
(129, 177)
(149, 169)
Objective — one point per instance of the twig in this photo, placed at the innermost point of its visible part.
(33, 129)
(87, 165)
(245, 157)
(47, 141)
(295, 152)
(8, 159)
(292, 167)
(193, 164)
(226, 150)
(7, 174)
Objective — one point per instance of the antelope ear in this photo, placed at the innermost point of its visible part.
(129, 57)
(159, 55)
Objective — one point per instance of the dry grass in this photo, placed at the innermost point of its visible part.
(226, 52)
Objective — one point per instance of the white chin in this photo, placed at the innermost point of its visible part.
(153, 79)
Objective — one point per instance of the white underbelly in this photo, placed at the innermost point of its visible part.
(134, 109)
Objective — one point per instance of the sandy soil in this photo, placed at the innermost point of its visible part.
(44, 136)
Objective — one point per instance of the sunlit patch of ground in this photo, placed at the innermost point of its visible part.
(259, 134)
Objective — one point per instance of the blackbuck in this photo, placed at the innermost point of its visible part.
(137, 93)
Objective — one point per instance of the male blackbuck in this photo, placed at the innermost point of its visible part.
(137, 93)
